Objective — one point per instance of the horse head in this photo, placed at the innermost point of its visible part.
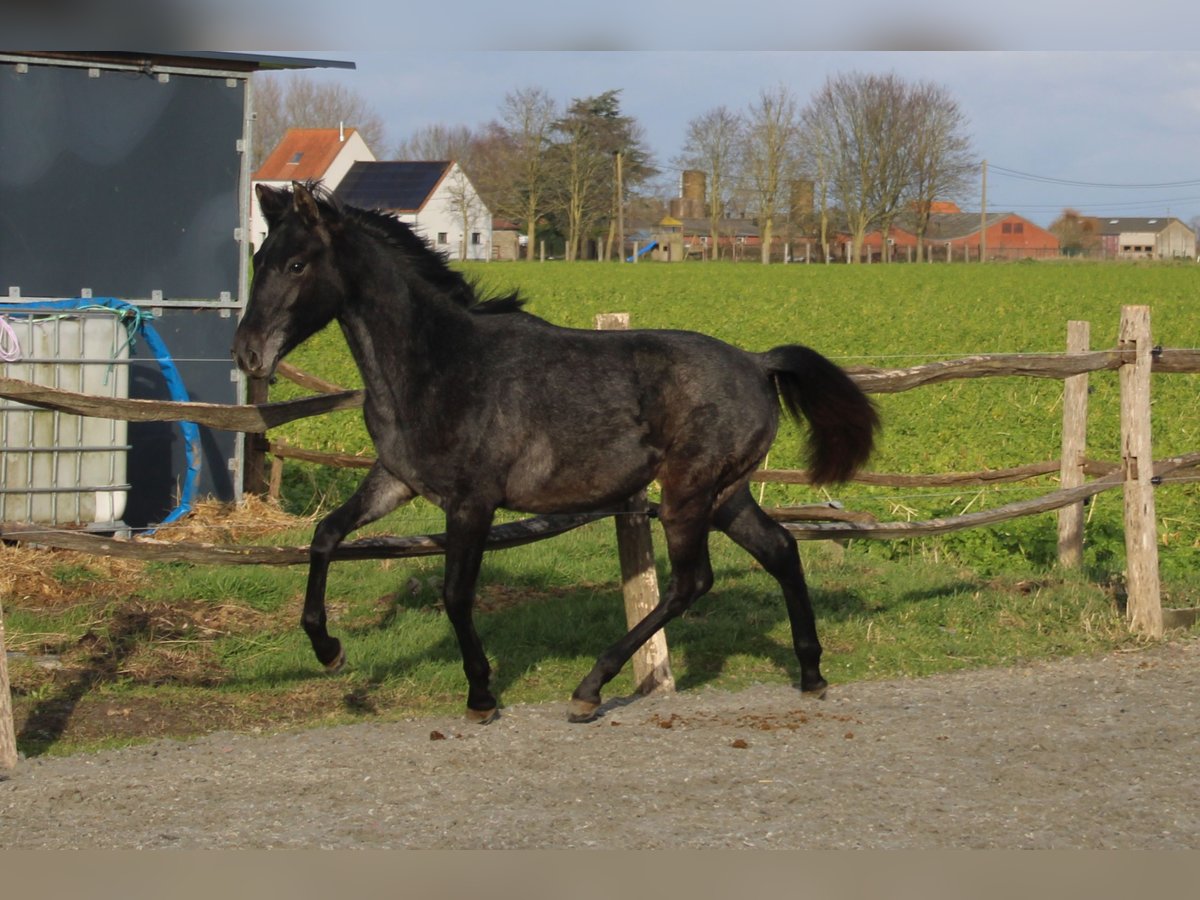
(297, 287)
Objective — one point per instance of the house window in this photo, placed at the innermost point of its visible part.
(1018, 227)
(296, 157)
(442, 238)
(1006, 228)
(476, 238)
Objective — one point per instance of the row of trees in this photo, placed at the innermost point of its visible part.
(859, 152)
(862, 150)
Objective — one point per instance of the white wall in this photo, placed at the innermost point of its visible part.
(440, 222)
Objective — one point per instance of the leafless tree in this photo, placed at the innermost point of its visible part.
(711, 146)
(769, 157)
(295, 100)
(878, 143)
(527, 118)
(942, 158)
(439, 142)
(858, 122)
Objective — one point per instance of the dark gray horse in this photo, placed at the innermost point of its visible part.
(477, 405)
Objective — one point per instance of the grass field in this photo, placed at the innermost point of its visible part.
(204, 647)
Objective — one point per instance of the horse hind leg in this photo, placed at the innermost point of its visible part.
(775, 550)
(379, 493)
(686, 531)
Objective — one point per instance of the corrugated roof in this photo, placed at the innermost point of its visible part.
(949, 226)
(303, 154)
(398, 186)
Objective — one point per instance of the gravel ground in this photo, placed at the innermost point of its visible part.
(1093, 753)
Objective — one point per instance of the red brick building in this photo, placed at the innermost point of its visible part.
(954, 234)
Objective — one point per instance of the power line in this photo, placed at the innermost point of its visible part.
(1047, 179)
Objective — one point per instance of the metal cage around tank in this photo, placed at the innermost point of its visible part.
(127, 175)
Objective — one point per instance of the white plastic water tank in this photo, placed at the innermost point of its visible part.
(57, 468)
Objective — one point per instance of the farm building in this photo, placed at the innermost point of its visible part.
(435, 197)
(954, 234)
(125, 189)
(1134, 238)
(308, 154)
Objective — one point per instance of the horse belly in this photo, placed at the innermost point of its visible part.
(545, 479)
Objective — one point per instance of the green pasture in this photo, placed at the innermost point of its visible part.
(885, 609)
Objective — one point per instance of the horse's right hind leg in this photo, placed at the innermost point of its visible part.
(379, 493)
(769, 543)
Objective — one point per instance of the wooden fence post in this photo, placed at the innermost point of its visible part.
(1074, 446)
(639, 578)
(8, 737)
(1144, 603)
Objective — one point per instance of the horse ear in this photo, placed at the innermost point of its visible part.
(273, 203)
(305, 204)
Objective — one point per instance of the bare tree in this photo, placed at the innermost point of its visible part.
(439, 142)
(294, 100)
(879, 143)
(942, 159)
(769, 157)
(858, 123)
(711, 146)
(527, 118)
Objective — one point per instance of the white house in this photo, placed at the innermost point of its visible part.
(1132, 238)
(304, 154)
(435, 197)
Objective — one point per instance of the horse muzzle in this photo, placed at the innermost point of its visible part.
(253, 359)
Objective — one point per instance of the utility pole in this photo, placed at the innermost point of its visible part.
(620, 210)
(983, 217)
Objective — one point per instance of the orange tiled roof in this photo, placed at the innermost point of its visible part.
(303, 153)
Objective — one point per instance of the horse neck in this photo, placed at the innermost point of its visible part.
(400, 331)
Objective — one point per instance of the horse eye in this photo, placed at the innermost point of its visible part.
(296, 267)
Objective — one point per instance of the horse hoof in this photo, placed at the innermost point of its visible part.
(482, 716)
(816, 692)
(339, 661)
(582, 711)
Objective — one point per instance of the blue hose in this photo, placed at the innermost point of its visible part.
(138, 322)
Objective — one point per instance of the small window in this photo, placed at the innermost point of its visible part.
(476, 238)
(296, 157)
(442, 238)
(1006, 228)
(1018, 227)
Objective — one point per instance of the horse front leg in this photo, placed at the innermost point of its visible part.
(379, 493)
(467, 529)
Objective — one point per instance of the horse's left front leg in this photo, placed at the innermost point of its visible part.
(379, 493)
(467, 529)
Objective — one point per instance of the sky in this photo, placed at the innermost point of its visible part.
(1107, 132)
(1089, 104)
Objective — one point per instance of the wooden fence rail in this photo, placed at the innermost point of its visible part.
(1135, 358)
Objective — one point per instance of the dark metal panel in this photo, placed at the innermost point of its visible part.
(122, 183)
(199, 342)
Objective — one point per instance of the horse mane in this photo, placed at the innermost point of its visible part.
(430, 266)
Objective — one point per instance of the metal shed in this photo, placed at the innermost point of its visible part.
(126, 175)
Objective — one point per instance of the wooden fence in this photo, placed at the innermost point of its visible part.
(1135, 358)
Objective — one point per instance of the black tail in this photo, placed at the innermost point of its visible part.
(842, 419)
